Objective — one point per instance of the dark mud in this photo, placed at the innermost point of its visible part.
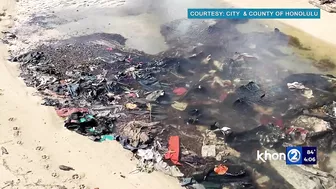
(217, 95)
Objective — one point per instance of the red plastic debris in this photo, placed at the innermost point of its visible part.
(221, 169)
(65, 112)
(180, 91)
(223, 96)
(109, 49)
(295, 132)
(173, 150)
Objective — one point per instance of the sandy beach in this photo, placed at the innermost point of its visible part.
(37, 143)
(34, 136)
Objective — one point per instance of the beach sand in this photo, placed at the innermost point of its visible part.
(37, 143)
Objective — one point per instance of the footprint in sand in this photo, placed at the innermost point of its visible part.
(16, 128)
(19, 142)
(76, 177)
(39, 148)
(17, 133)
(11, 119)
(55, 175)
(46, 167)
(45, 157)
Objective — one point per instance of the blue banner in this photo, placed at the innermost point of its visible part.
(234, 13)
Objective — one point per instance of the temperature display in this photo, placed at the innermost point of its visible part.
(298, 155)
(309, 155)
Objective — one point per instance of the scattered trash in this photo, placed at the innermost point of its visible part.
(131, 106)
(311, 123)
(85, 124)
(208, 151)
(306, 92)
(181, 106)
(180, 91)
(174, 150)
(296, 85)
(137, 134)
(207, 59)
(107, 138)
(152, 97)
(224, 98)
(65, 112)
(221, 169)
(218, 65)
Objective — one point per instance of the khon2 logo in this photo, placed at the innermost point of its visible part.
(293, 156)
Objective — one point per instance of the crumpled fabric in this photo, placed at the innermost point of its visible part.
(151, 160)
(297, 133)
(306, 92)
(248, 95)
(235, 176)
(296, 85)
(250, 92)
(266, 135)
(153, 96)
(87, 125)
(311, 123)
(65, 112)
(180, 91)
(173, 150)
(125, 142)
(32, 57)
(138, 132)
(50, 102)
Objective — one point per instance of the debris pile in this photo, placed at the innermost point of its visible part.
(187, 112)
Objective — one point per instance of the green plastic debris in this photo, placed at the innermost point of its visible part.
(107, 137)
(87, 118)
